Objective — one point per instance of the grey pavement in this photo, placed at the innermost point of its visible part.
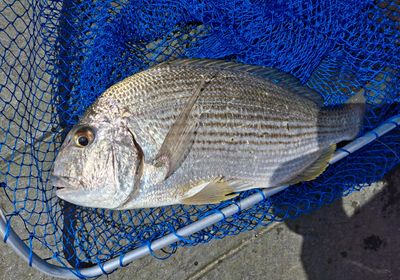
(354, 238)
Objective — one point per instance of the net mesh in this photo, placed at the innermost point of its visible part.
(57, 57)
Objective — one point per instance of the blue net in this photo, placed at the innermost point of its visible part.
(57, 57)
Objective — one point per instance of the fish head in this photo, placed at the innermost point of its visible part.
(99, 165)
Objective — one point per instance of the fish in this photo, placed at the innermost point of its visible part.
(199, 131)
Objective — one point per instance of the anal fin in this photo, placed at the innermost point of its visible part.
(316, 168)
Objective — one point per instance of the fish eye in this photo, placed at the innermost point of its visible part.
(83, 137)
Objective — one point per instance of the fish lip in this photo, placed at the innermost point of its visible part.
(63, 183)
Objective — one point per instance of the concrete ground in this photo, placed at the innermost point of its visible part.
(355, 238)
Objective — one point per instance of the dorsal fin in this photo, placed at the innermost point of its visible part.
(275, 76)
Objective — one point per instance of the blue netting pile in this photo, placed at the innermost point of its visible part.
(57, 57)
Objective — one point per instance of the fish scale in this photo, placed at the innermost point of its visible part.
(253, 125)
(185, 79)
(159, 106)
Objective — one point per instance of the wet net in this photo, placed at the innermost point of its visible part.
(57, 57)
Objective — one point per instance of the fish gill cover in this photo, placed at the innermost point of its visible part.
(57, 57)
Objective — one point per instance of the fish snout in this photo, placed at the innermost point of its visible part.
(63, 182)
(56, 182)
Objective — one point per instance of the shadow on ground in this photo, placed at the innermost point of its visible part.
(364, 245)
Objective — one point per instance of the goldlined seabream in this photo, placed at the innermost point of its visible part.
(198, 131)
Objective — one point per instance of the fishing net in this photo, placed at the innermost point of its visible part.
(57, 57)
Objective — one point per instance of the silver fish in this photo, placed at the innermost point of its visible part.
(198, 131)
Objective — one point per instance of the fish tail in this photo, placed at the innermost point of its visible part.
(345, 122)
(355, 106)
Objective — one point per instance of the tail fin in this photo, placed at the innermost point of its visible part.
(358, 98)
(356, 107)
(342, 123)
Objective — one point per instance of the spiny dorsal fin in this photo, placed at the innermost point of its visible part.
(210, 192)
(275, 76)
(315, 169)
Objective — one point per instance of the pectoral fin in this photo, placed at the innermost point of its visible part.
(180, 137)
(315, 169)
(209, 193)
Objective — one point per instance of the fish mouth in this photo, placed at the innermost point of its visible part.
(65, 183)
